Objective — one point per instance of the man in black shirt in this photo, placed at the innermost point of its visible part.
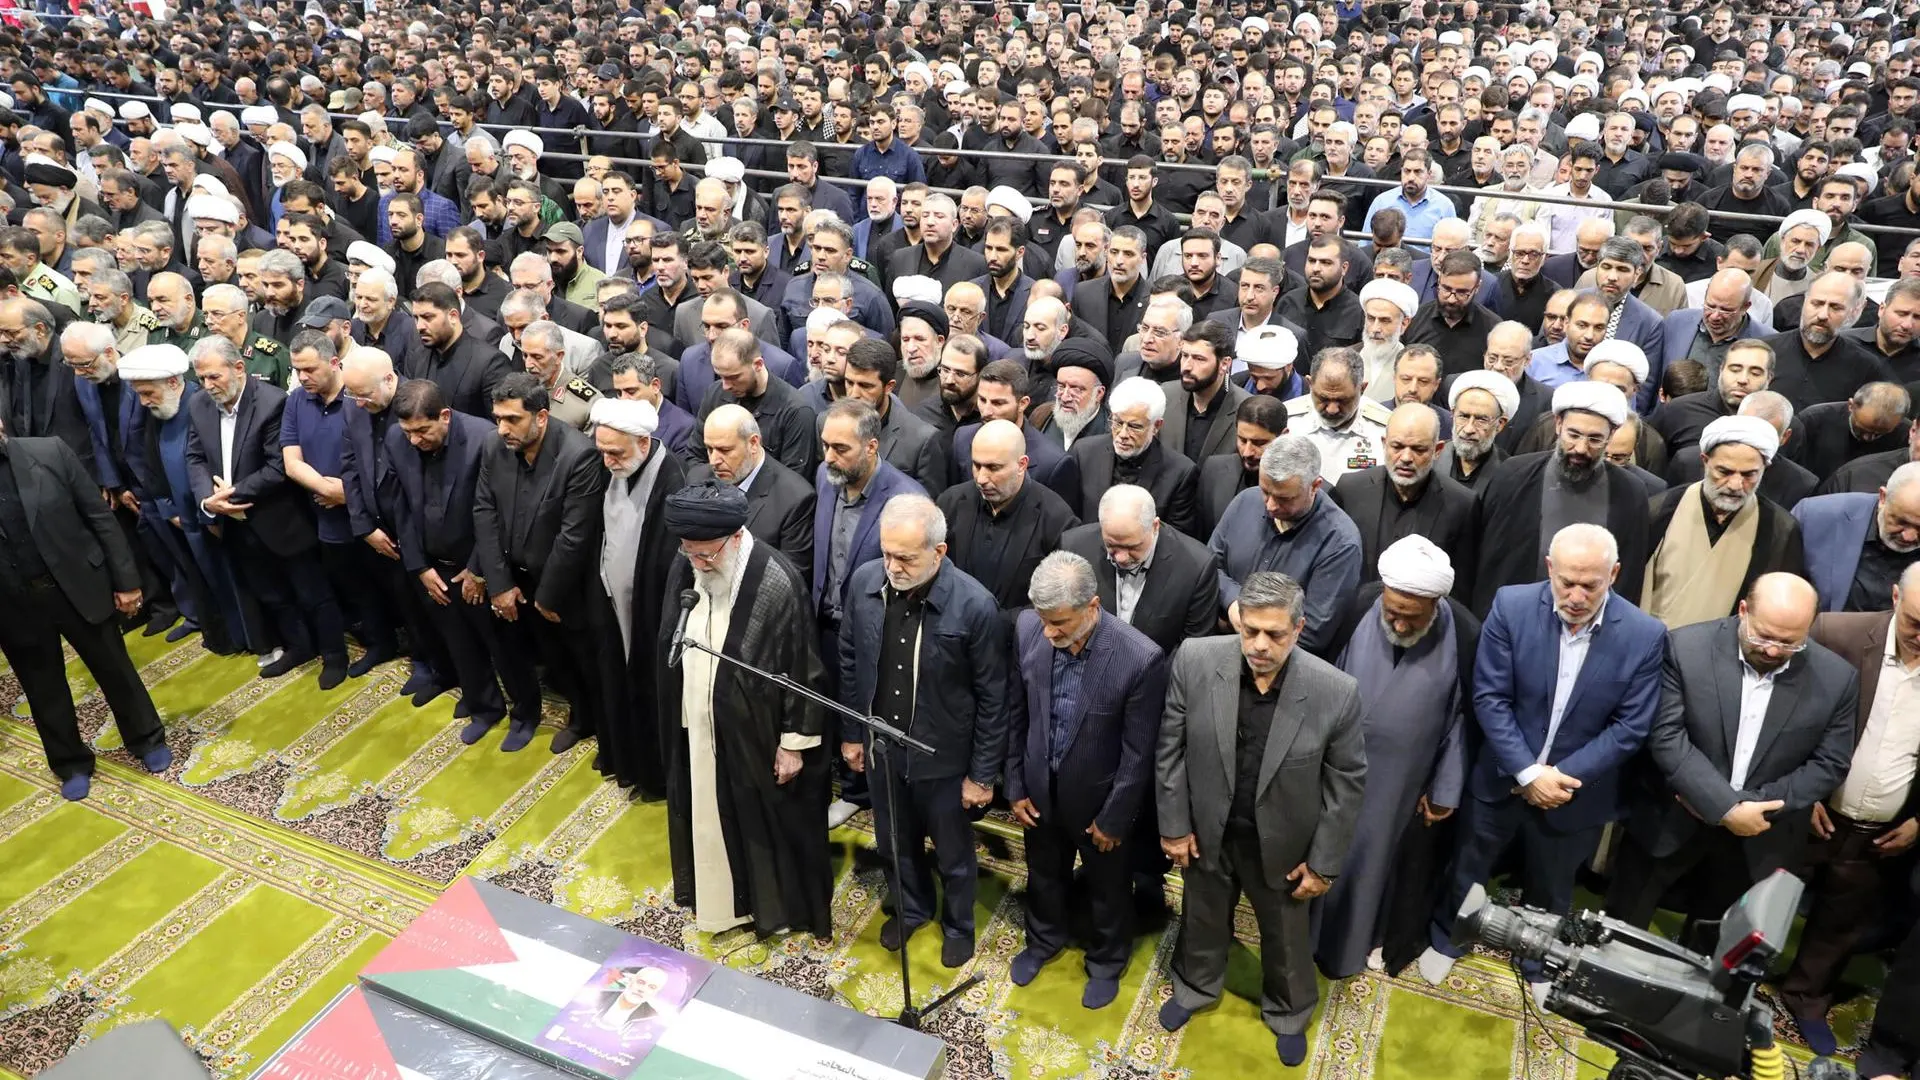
(1331, 313)
(1747, 193)
(1452, 322)
(1814, 363)
(999, 526)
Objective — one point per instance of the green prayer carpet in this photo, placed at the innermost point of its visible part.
(298, 830)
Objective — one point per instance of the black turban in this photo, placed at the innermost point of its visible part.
(1680, 162)
(931, 314)
(50, 174)
(1085, 352)
(708, 510)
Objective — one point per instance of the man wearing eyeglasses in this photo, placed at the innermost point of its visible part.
(1739, 773)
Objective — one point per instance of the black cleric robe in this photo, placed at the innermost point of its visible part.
(775, 834)
(1508, 522)
(633, 749)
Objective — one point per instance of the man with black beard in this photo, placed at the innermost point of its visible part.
(954, 407)
(1482, 404)
(1746, 193)
(1403, 497)
(1529, 498)
(1813, 363)
(1453, 322)
(1717, 536)
(1257, 421)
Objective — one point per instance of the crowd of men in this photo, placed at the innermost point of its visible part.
(1109, 398)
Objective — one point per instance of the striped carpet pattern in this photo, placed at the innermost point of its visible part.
(298, 830)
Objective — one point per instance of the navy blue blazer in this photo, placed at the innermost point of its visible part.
(1608, 714)
(797, 349)
(467, 440)
(1683, 323)
(366, 471)
(1047, 462)
(1646, 328)
(696, 372)
(886, 483)
(871, 308)
(961, 687)
(1106, 771)
(595, 234)
(1833, 527)
(676, 428)
(104, 454)
(1013, 317)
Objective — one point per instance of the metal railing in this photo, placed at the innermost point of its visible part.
(1276, 172)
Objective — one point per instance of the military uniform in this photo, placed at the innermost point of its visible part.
(572, 402)
(140, 322)
(855, 265)
(268, 360)
(584, 289)
(1358, 446)
(183, 339)
(46, 284)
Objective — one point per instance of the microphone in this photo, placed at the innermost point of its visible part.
(689, 599)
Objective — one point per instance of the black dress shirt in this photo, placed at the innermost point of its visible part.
(1338, 323)
(1462, 348)
(1251, 726)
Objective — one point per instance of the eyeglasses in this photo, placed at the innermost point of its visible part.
(1519, 254)
(706, 558)
(1132, 427)
(1766, 644)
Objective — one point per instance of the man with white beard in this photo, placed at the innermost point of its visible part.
(1717, 535)
(747, 773)
(1388, 306)
(1080, 374)
(157, 376)
(923, 329)
(1802, 235)
(1483, 404)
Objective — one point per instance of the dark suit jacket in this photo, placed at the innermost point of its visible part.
(72, 528)
(1167, 474)
(366, 470)
(1607, 716)
(1832, 530)
(468, 439)
(1181, 597)
(779, 509)
(1220, 480)
(1106, 771)
(1804, 749)
(1047, 462)
(466, 372)
(913, 445)
(102, 462)
(960, 686)
(1090, 307)
(282, 515)
(557, 542)
(1310, 779)
(887, 482)
(1678, 330)
(1220, 427)
(1444, 516)
(1860, 638)
(1008, 328)
(54, 412)
(1039, 526)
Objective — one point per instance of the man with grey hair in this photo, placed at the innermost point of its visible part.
(1291, 524)
(909, 615)
(1548, 771)
(1133, 453)
(1859, 544)
(1237, 824)
(1081, 728)
(109, 297)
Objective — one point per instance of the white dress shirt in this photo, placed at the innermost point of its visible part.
(615, 251)
(1574, 645)
(1756, 693)
(1881, 776)
(1128, 587)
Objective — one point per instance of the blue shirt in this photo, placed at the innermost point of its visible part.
(1069, 668)
(1550, 366)
(438, 216)
(899, 163)
(1421, 216)
(1321, 552)
(319, 429)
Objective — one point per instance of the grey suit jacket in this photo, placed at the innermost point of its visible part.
(688, 331)
(1805, 744)
(1220, 428)
(1310, 779)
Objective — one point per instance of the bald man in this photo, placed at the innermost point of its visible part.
(779, 503)
(1737, 774)
(1404, 495)
(999, 526)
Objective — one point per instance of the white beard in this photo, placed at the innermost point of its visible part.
(1073, 422)
(922, 368)
(1379, 358)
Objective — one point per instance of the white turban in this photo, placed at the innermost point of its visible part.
(197, 134)
(635, 417)
(1747, 102)
(1416, 566)
(213, 208)
(366, 254)
(726, 169)
(910, 287)
(153, 362)
(1270, 347)
(1584, 126)
(95, 105)
(383, 153)
(1746, 430)
(522, 137)
(1861, 171)
(183, 111)
(1393, 292)
(1598, 398)
(920, 69)
(291, 152)
(1013, 201)
(259, 115)
(1817, 220)
(822, 319)
(1625, 353)
(1477, 72)
(1501, 387)
(210, 184)
(372, 119)
(135, 110)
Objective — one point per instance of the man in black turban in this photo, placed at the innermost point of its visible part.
(748, 775)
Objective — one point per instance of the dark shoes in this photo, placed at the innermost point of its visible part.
(518, 736)
(287, 662)
(75, 788)
(1026, 966)
(956, 951)
(157, 760)
(1174, 1016)
(566, 739)
(892, 937)
(368, 661)
(333, 672)
(1291, 1048)
(1099, 993)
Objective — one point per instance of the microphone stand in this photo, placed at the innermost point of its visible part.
(885, 735)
